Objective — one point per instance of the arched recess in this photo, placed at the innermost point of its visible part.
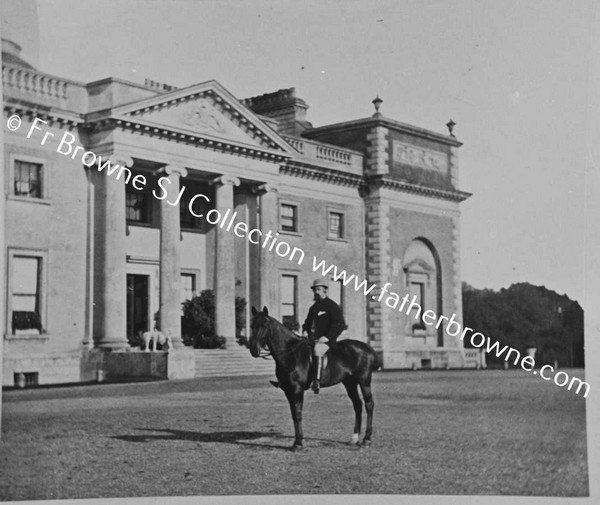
(423, 276)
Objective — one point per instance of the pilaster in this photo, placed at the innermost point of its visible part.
(378, 268)
(377, 151)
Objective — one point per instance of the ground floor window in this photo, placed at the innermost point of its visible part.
(25, 297)
(417, 293)
(336, 293)
(289, 301)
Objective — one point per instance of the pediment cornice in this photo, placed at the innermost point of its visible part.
(204, 114)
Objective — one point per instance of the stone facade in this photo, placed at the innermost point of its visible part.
(94, 257)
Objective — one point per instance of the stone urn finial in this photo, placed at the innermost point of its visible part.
(377, 103)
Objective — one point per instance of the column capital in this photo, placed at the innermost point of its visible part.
(173, 169)
(265, 188)
(225, 180)
(121, 159)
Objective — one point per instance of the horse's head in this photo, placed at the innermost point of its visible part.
(260, 328)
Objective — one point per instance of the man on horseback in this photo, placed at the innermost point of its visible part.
(323, 325)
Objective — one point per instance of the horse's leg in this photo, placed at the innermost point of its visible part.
(295, 397)
(365, 387)
(352, 389)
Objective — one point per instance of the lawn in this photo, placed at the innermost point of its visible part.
(438, 432)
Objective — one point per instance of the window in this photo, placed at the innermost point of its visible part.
(186, 218)
(335, 227)
(188, 286)
(417, 292)
(289, 217)
(289, 301)
(27, 179)
(137, 206)
(336, 293)
(25, 296)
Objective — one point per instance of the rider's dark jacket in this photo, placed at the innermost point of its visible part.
(325, 319)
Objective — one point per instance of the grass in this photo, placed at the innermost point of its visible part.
(465, 432)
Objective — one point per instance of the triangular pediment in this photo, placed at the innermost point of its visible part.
(206, 110)
(418, 266)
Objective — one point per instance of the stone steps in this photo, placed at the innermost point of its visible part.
(231, 362)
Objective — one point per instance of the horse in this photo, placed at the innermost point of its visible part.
(350, 362)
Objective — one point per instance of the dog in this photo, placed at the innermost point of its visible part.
(156, 337)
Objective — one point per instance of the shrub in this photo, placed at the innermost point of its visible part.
(198, 321)
(290, 323)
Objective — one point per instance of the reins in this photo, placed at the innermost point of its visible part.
(279, 354)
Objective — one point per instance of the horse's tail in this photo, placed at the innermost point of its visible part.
(377, 361)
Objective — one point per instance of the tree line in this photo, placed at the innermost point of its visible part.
(523, 316)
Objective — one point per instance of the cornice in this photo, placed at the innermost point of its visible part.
(385, 122)
(379, 181)
(183, 136)
(305, 171)
(49, 114)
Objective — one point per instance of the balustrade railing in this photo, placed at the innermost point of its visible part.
(321, 154)
(29, 81)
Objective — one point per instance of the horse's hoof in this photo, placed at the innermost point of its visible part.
(354, 440)
(365, 443)
(296, 447)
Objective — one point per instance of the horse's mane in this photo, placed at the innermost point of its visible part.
(285, 329)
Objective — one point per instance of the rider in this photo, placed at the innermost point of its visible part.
(323, 326)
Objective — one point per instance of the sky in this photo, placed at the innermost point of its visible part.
(515, 76)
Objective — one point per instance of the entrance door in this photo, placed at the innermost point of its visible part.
(137, 306)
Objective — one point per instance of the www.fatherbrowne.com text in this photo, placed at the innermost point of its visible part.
(271, 241)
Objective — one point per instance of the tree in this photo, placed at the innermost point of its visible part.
(525, 315)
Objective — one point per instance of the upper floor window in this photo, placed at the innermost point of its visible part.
(200, 206)
(137, 206)
(28, 179)
(335, 228)
(289, 217)
(188, 287)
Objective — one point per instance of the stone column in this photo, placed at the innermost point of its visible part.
(225, 262)
(110, 311)
(170, 257)
(269, 221)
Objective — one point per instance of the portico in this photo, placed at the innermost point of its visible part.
(159, 237)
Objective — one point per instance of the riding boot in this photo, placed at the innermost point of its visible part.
(316, 384)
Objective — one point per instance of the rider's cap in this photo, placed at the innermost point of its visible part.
(321, 282)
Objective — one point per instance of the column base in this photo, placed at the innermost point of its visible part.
(116, 345)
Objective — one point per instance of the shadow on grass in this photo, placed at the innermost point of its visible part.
(243, 438)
